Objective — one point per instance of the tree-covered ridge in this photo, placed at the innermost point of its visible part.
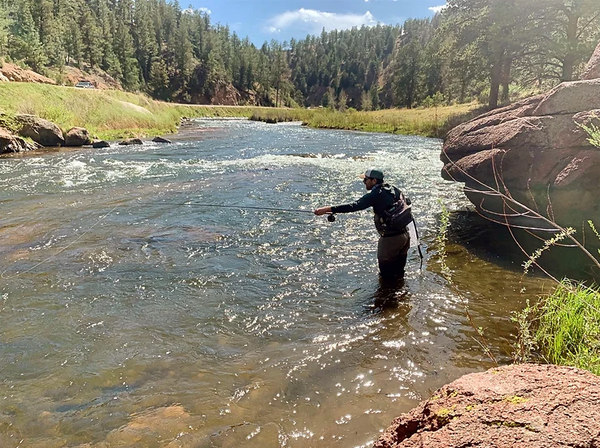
(473, 49)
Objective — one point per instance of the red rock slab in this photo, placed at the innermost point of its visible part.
(530, 406)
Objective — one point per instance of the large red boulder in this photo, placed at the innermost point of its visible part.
(78, 137)
(41, 131)
(536, 152)
(528, 406)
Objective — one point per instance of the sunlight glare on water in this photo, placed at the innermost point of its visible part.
(135, 314)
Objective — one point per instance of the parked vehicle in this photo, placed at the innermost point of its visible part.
(85, 85)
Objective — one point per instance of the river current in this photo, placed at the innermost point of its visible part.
(134, 313)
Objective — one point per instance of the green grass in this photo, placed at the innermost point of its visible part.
(112, 114)
(594, 133)
(564, 328)
(429, 122)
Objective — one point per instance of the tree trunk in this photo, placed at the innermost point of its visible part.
(496, 78)
(572, 42)
(495, 85)
(507, 66)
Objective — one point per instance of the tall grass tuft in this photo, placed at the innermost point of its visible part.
(564, 328)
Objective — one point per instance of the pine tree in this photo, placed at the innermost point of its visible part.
(26, 44)
(5, 24)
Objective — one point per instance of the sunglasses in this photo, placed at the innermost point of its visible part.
(366, 179)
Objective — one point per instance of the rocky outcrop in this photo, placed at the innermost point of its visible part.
(537, 151)
(12, 72)
(520, 405)
(10, 143)
(78, 137)
(592, 71)
(41, 131)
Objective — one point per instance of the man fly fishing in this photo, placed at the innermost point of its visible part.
(392, 216)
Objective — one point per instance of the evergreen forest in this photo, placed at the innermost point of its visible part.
(486, 50)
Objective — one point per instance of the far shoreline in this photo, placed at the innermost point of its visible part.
(113, 115)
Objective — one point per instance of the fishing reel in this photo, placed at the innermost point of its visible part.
(331, 217)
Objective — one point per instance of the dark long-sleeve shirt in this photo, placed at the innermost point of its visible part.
(376, 198)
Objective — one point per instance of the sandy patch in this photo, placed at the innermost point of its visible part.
(135, 107)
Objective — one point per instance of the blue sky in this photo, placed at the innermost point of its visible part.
(263, 20)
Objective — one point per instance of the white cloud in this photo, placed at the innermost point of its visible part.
(201, 10)
(437, 9)
(312, 21)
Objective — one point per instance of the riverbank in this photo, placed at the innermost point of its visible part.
(112, 114)
(107, 114)
(427, 122)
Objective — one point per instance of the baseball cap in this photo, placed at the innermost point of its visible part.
(373, 173)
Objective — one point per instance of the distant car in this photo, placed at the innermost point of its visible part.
(85, 85)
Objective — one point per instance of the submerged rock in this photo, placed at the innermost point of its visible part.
(100, 144)
(131, 141)
(520, 405)
(161, 140)
(78, 137)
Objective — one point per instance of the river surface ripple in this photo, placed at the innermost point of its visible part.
(131, 316)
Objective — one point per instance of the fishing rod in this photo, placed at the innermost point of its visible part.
(330, 216)
(248, 207)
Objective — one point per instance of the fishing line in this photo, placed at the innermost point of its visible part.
(241, 207)
(102, 218)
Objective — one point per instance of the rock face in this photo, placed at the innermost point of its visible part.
(78, 137)
(515, 406)
(10, 143)
(592, 71)
(12, 72)
(40, 131)
(536, 150)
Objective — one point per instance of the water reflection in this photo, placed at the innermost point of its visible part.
(390, 293)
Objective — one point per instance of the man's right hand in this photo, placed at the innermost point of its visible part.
(322, 211)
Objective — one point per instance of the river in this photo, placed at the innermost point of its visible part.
(134, 313)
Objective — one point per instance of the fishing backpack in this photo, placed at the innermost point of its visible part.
(399, 215)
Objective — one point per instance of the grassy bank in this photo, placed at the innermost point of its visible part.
(107, 114)
(564, 328)
(111, 114)
(429, 122)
